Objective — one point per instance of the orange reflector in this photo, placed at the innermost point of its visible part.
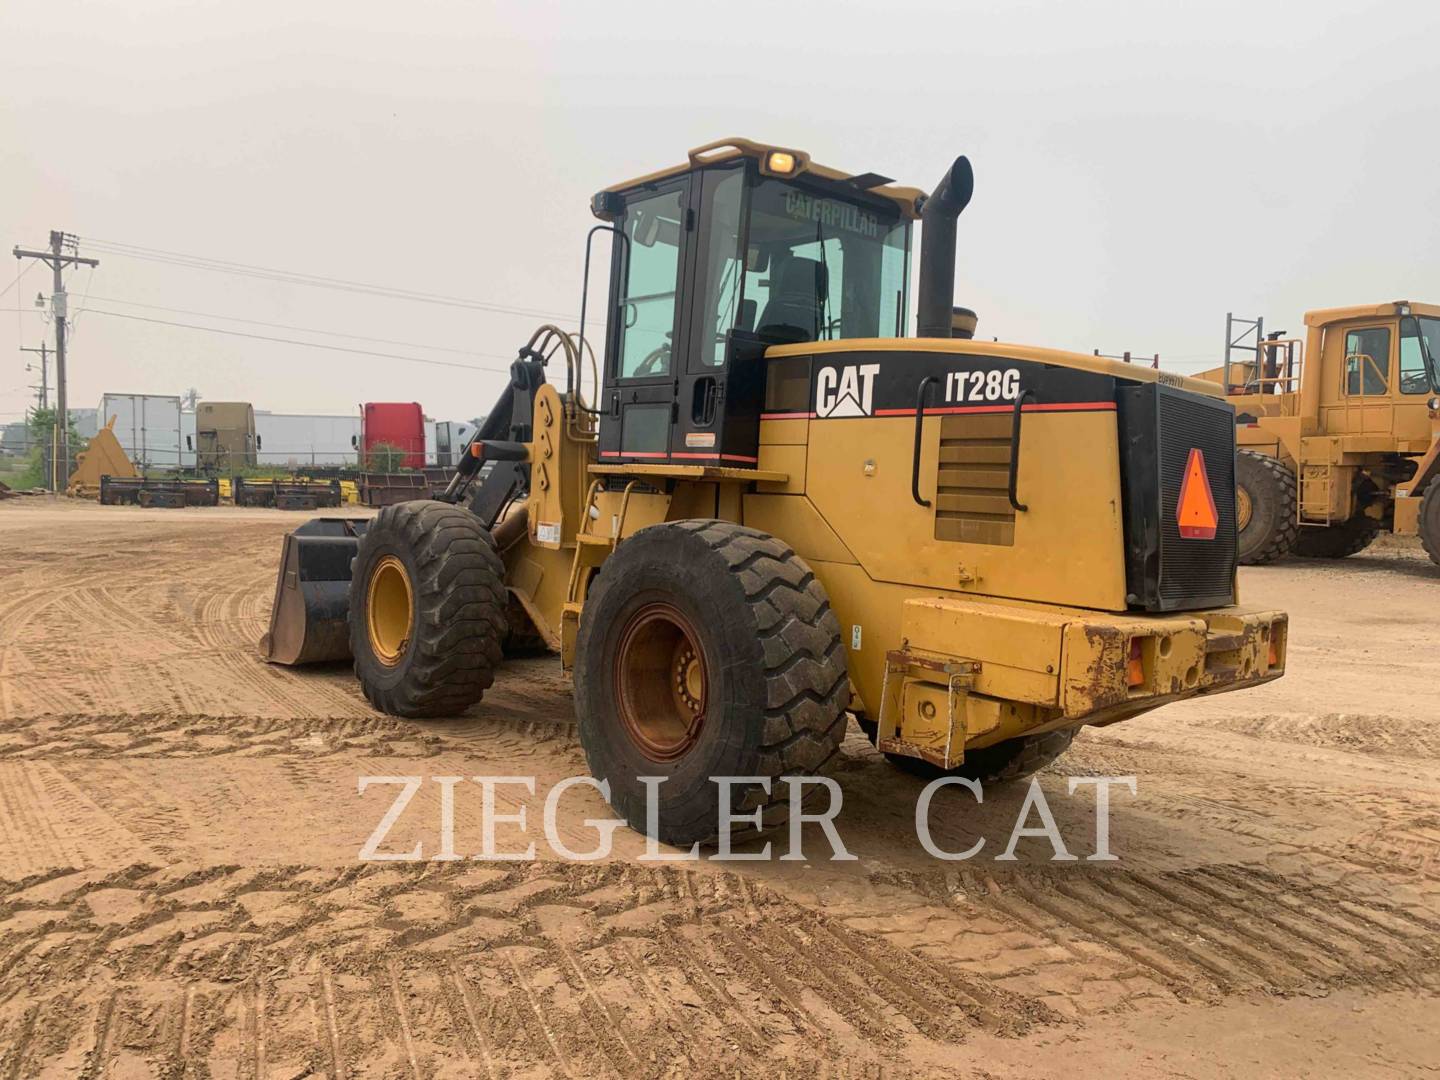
(1135, 669)
(477, 448)
(1195, 511)
(1274, 655)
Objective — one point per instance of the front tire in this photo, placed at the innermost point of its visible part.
(427, 610)
(1265, 494)
(707, 649)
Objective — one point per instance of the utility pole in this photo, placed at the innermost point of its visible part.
(57, 260)
(44, 386)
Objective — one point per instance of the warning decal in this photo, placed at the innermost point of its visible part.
(1195, 511)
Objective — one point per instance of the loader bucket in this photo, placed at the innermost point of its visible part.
(308, 622)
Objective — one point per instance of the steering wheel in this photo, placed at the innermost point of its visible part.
(1414, 382)
(655, 362)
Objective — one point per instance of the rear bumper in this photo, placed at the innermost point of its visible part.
(992, 670)
(1205, 652)
(1078, 661)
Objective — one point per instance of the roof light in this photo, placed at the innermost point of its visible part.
(781, 161)
(1402, 309)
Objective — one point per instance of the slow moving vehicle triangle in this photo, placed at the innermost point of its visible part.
(1195, 510)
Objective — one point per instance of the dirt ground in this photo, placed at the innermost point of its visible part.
(181, 893)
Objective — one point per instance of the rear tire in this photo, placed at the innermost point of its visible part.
(707, 649)
(443, 559)
(1337, 541)
(1269, 530)
(1429, 521)
(1002, 763)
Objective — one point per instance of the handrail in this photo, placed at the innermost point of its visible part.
(1015, 451)
(925, 384)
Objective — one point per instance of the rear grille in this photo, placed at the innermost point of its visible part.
(972, 504)
(1159, 427)
(1196, 568)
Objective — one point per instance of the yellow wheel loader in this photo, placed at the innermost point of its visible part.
(775, 508)
(1338, 433)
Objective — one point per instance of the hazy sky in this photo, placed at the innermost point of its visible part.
(1139, 170)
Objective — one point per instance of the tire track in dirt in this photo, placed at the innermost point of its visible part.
(1199, 933)
(1372, 735)
(585, 970)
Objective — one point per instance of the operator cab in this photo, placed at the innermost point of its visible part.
(744, 247)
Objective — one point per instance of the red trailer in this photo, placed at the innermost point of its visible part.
(396, 423)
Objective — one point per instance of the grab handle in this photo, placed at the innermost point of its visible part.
(919, 425)
(1015, 449)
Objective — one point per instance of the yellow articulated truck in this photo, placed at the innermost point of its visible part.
(1338, 433)
(776, 508)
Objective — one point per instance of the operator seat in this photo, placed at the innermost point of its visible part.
(797, 298)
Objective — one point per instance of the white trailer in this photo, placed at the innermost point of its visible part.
(297, 440)
(148, 427)
(187, 440)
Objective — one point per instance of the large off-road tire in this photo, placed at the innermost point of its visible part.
(1429, 522)
(1336, 541)
(1265, 492)
(1002, 763)
(707, 649)
(427, 610)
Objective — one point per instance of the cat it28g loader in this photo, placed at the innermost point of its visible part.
(778, 508)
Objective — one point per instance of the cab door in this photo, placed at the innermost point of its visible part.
(700, 433)
(1365, 405)
(1413, 390)
(645, 346)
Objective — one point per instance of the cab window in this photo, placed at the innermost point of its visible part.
(818, 268)
(1414, 377)
(1367, 361)
(650, 271)
(721, 274)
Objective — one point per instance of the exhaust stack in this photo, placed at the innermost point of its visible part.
(937, 249)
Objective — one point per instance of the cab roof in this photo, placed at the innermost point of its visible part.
(906, 199)
(1326, 316)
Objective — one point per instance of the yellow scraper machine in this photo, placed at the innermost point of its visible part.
(776, 508)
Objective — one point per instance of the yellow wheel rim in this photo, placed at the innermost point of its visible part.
(390, 610)
(1243, 508)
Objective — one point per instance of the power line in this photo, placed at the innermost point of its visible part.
(292, 277)
(64, 252)
(289, 326)
(23, 271)
(306, 344)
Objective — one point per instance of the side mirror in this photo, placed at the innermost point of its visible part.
(748, 310)
(257, 442)
(355, 441)
(189, 444)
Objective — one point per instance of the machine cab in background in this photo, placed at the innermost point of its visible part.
(744, 247)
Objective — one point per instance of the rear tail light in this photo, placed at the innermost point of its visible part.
(1135, 668)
